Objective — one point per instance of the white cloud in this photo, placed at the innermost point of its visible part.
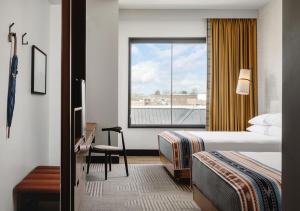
(181, 48)
(148, 76)
(144, 72)
(188, 82)
(166, 53)
(135, 50)
(161, 53)
(190, 60)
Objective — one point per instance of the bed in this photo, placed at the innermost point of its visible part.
(176, 147)
(237, 181)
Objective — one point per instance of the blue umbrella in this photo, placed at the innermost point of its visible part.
(12, 86)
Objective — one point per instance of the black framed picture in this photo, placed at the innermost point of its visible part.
(38, 71)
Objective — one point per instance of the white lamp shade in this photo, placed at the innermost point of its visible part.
(243, 86)
(245, 74)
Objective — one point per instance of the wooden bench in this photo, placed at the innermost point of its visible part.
(42, 184)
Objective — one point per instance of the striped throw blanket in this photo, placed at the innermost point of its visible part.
(257, 185)
(184, 144)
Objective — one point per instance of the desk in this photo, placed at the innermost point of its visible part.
(83, 144)
(90, 133)
(81, 151)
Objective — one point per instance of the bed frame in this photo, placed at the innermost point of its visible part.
(179, 175)
(202, 201)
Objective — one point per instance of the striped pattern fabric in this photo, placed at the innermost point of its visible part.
(257, 185)
(184, 144)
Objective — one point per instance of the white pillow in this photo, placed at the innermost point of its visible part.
(261, 129)
(274, 119)
(271, 119)
(259, 120)
(274, 131)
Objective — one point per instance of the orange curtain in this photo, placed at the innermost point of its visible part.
(232, 46)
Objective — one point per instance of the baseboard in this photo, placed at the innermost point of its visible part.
(130, 152)
(142, 152)
(101, 159)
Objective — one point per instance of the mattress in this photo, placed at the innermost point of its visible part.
(239, 141)
(235, 141)
(221, 192)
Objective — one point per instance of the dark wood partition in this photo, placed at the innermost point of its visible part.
(291, 105)
(65, 199)
(78, 67)
(73, 71)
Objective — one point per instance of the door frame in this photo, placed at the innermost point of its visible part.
(72, 68)
(65, 190)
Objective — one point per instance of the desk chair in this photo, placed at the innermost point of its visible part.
(109, 150)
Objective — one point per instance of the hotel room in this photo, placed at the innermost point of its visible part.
(146, 105)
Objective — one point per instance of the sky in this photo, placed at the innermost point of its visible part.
(151, 66)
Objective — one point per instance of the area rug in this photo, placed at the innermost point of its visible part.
(148, 188)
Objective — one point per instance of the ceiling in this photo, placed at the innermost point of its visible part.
(192, 4)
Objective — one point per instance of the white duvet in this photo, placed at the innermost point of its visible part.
(239, 141)
(272, 159)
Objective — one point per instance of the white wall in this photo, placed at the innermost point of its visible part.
(157, 23)
(182, 15)
(102, 65)
(54, 91)
(28, 145)
(270, 57)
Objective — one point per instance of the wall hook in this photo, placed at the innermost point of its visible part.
(10, 33)
(23, 42)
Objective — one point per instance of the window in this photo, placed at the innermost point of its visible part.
(167, 82)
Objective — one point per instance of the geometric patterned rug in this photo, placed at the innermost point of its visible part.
(148, 188)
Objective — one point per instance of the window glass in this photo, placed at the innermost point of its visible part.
(167, 84)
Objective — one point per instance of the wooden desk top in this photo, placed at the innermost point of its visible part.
(91, 126)
(84, 143)
(90, 132)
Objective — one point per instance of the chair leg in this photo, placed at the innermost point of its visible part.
(89, 161)
(106, 166)
(126, 165)
(110, 162)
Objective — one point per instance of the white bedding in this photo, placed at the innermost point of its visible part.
(271, 159)
(239, 141)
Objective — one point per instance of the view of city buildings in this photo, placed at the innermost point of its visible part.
(184, 99)
(186, 109)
